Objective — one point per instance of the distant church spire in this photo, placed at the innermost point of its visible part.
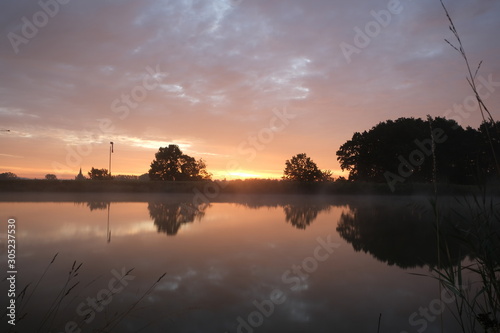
(80, 176)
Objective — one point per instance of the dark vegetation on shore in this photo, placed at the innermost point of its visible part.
(211, 189)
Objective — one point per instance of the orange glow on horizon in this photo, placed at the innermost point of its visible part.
(245, 174)
(33, 173)
(129, 160)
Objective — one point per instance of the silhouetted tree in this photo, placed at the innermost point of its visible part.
(171, 164)
(125, 177)
(404, 147)
(485, 156)
(99, 174)
(302, 168)
(50, 176)
(327, 176)
(7, 176)
(144, 177)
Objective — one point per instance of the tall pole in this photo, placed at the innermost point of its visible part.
(110, 152)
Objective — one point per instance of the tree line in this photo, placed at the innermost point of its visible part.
(393, 151)
(421, 150)
(171, 164)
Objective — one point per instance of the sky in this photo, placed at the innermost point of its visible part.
(242, 84)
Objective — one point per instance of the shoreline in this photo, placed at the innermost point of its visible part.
(213, 189)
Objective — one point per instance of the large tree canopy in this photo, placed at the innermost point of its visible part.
(404, 148)
(171, 164)
(302, 168)
(7, 176)
(99, 174)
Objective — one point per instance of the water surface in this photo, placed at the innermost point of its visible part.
(225, 264)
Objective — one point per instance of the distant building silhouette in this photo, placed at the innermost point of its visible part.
(80, 176)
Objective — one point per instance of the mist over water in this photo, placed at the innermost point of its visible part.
(339, 262)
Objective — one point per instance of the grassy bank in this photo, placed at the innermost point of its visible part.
(213, 188)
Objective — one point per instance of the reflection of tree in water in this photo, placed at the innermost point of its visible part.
(94, 205)
(169, 216)
(97, 205)
(397, 234)
(301, 215)
(300, 211)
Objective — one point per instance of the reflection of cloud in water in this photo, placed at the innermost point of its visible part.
(215, 274)
(298, 311)
(133, 229)
(212, 275)
(71, 231)
(172, 282)
(302, 285)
